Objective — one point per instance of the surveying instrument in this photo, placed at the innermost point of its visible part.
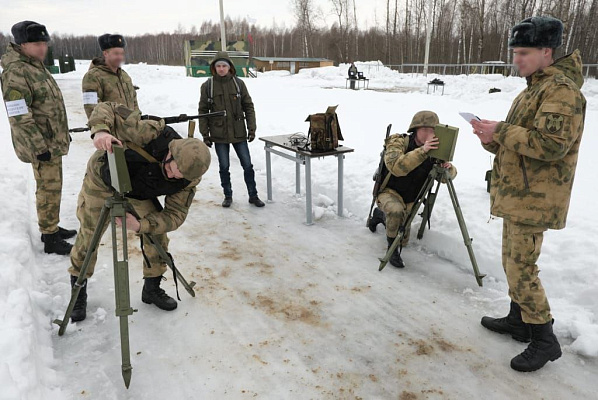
(447, 136)
(117, 206)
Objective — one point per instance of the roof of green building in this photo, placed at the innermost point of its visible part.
(288, 59)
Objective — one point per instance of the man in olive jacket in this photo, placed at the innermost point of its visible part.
(536, 152)
(225, 92)
(38, 125)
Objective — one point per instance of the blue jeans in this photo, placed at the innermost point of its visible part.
(242, 150)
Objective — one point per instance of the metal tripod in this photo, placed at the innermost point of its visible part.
(428, 197)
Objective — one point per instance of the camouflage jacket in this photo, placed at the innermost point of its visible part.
(126, 125)
(537, 146)
(229, 129)
(35, 107)
(107, 86)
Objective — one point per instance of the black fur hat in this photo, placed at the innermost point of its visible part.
(537, 32)
(108, 41)
(29, 31)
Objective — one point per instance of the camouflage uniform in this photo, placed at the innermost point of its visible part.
(40, 126)
(125, 125)
(536, 154)
(108, 85)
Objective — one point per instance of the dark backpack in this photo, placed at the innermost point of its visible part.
(324, 131)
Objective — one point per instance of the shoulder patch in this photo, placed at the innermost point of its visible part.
(14, 95)
(554, 123)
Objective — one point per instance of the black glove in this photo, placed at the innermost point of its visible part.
(251, 136)
(207, 141)
(44, 156)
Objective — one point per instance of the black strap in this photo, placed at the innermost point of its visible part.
(174, 274)
(149, 265)
(174, 269)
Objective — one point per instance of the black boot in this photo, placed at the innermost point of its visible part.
(54, 243)
(153, 294)
(80, 310)
(543, 348)
(377, 218)
(256, 201)
(226, 203)
(395, 258)
(511, 324)
(64, 233)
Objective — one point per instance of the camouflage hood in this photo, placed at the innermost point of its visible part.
(13, 54)
(100, 63)
(222, 55)
(569, 66)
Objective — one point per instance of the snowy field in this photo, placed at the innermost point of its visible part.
(289, 311)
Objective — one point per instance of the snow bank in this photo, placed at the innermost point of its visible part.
(27, 358)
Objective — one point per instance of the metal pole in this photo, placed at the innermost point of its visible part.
(269, 171)
(340, 158)
(308, 201)
(222, 27)
(428, 38)
(298, 174)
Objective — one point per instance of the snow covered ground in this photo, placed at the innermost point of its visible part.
(288, 311)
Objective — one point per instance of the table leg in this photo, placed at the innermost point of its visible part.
(308, 205)
(298, 175)
(340, 184)
(269, 172)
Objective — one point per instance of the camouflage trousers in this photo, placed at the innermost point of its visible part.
(392, 204)
(89, 205)
(48, 193)
(521, 246)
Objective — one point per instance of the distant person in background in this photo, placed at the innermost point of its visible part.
(38, 125)
(352, 71)
(406, 168)
(225, 92)
(536, 154)
(106, 80)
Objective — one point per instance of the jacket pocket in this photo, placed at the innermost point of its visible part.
(240, 128)
(217, 127)
(50, 134)
(524, 172)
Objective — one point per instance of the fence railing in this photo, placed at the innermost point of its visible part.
(589, 70)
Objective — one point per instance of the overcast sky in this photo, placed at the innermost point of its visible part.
(133, 17)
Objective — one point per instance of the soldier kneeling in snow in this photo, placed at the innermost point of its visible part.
(406, 167)
(159, 163)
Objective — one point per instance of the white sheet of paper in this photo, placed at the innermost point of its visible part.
(468, 116)
(90, 97)
(16, 107)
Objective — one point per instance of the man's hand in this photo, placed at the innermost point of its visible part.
(431, 144)
(132, 223)
(251, 136)
(446, 165)
(484, 129)
(207, 142)
(103, 140)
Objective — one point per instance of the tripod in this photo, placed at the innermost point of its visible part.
(428, 196)
(117, 206)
